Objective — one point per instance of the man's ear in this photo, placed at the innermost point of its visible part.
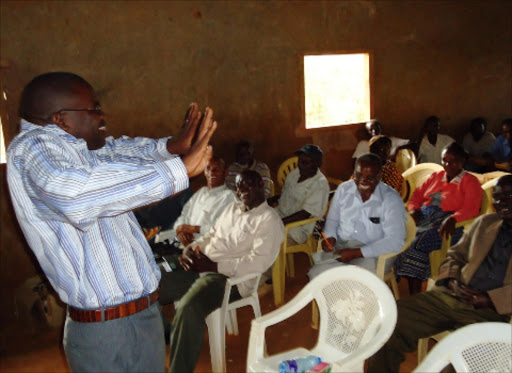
(59, 120)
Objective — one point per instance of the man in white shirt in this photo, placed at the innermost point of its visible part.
(305, 193)
(431, 142)
(203, 208)
(374, 128)
(476, 142)
(366, 219)
(245, 239)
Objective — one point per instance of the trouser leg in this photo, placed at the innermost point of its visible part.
(421, 316)
(203, 297)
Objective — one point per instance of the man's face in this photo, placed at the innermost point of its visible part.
(366, 177)
(247, 191)
(477, 130)
(373, 128)
(214, 173)
(452, 163)
(506, 131)
(502, 200)
(307, 166)
(432, 127)
(87, 125)
(245, 156)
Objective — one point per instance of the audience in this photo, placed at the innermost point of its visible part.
(205, 206)
(305, 193)
(244, 239)
(244, 159)
(390, 174)
(476, 143)
(474, 285)
(366, 219)
(430, 143)
(445, 198)
(73, 190)
(374, 128)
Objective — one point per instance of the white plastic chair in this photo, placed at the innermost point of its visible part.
(481, 347)
(224, 317)
(357, 316)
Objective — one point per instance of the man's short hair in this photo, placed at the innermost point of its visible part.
(243, 144)
(457, 149)
(370, 159)
(218, 159)
(251, 176)
(40, 96)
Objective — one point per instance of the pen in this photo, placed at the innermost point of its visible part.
(327, 241)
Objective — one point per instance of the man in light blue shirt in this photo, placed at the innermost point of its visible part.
(366, 219)
(73, 190)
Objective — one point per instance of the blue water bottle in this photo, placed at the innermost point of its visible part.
(299, 365)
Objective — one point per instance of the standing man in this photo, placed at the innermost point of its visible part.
(244, 239)
(73, 190)
(474, 285)
(366, 219)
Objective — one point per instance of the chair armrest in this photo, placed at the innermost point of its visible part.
(298, 223)
(436, 257)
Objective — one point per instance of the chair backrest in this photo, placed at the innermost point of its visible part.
(354, 306)
(415, 176)
(410, 234)
(481, 347)
(487, 206)
(405, 159)
(286, 167)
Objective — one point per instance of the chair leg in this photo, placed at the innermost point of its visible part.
(315, 315)
(422, 349)
(229, 324)
(233, 321)
(217, 337)
(278, 280)
(290, 267)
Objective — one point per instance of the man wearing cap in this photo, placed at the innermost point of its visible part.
(305, 193)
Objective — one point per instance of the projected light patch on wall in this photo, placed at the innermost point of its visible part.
(337, 89)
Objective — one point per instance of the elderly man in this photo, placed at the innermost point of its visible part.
(366, 219)
(73, 190)
(205, 206)
(244, 159)
(474, 285)
(245, 239)
(305, 193)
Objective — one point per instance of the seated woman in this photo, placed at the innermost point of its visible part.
(391, 175)
(445, 198)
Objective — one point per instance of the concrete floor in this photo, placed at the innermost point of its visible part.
(41, 351)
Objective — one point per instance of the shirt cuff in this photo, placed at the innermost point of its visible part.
(174, 173)
(161, 148)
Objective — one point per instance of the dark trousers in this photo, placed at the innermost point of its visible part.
(423, 315)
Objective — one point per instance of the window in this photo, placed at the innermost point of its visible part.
(337, 89)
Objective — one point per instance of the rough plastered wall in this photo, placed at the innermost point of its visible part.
(149, 59)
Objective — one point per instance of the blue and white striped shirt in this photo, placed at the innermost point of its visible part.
(74, 207)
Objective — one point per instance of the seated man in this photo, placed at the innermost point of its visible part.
(430, 142)
(374, 128)
(476, 143)
(205, 206)
(305, 193)
(366, 219)
(245, 239)
(501, 150)
(244, 159)
(474, 285)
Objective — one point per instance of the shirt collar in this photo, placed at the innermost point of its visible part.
(27, 126)
(457, 179)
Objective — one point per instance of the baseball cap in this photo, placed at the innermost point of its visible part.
(312, 151)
